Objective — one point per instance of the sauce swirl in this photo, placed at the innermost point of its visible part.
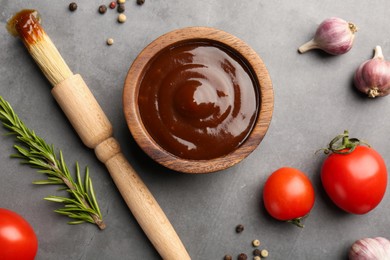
(198, 100)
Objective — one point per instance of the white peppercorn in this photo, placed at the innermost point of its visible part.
(121, 18)
(110, 41)
(256, 243)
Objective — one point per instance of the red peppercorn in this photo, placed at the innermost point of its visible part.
(112, 5)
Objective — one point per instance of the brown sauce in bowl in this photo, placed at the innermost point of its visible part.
(198, 100)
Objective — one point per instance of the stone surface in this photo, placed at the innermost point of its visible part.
(314, 101)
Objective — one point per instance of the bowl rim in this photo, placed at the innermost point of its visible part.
(145, 140)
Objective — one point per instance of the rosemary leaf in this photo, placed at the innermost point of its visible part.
(75, 209)
(91, 202)
(61, 212)
(36, 163)
(77, 196)
(81, 216)
(54, 179)
(70, 206)
(56, 199)
(23, 153)
(76, 222)
(48, 172)
(43, 182)
(86, 187)
(79, 182)
(64, 200)
(35, 152)
(94, 202)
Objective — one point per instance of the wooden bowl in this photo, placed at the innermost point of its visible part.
(144, 138)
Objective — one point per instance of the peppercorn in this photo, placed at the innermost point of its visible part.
(72, 6)
(264, 253)
(102, 9)
(121, 8)
(256, 258)
(239, 228)
(121, 18)
(121, 1)
(256, 243)
(242, 256)
(228, 257)
(140, 2)
(257, 252)
(110, 41)
(112, 5)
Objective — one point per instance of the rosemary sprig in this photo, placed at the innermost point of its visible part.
(34, 151)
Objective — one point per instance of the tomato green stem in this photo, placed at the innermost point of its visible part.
(346, 141)
(297, 222)
(342, 144)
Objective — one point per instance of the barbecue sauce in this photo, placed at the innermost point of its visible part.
(198, 100)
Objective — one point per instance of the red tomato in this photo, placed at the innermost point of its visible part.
(17, 238)
(288, 194)
(355, 182)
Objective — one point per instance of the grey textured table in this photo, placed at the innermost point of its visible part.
(314, 101)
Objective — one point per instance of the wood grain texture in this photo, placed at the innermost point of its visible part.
(146, 142)
(95, 130)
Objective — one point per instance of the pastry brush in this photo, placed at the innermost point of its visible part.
(95, 130)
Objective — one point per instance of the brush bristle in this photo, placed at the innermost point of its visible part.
(50, 60)
(26, 25)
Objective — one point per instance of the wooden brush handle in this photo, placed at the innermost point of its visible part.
(95, 130)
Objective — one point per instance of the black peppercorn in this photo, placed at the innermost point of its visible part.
(102, 9)
(227, 257)
(72, 6)
(239, 228)
(242, 256)
(140, 2)
(256, 252)
(121, 8)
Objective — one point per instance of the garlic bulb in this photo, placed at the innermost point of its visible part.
(377, 248)
(334, 36)
(373, 76)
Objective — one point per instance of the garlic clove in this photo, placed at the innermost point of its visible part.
(310, 45)
(373, 76)
(334, 36)
(377, 248)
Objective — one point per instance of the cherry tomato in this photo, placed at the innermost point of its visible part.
(17, 238)
(288, 194)
(355, 182)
